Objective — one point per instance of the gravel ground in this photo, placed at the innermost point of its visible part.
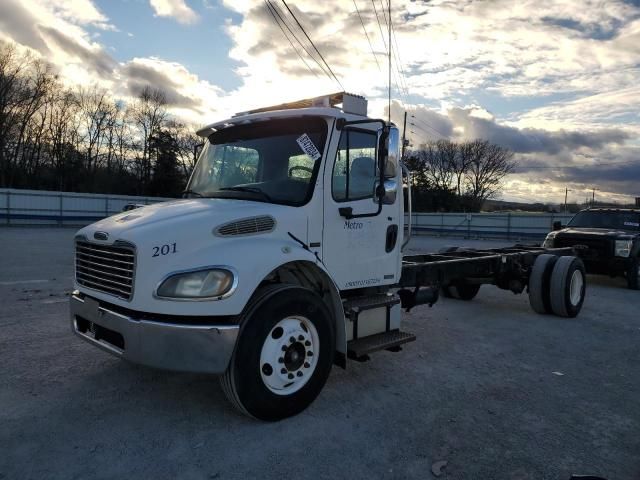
(489, 387)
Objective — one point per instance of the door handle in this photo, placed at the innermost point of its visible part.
(392, 238)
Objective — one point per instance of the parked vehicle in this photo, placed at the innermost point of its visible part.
(285, 258)
(612, 238)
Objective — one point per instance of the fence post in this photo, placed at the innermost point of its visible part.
(8, 207)
(469, 217)
(442, 224)
(60, 209)
(106, 206)
(509, 226)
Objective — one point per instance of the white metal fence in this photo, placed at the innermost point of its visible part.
(516, 226)
(41, 207)
(38, 207)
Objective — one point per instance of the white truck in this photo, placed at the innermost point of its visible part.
(285, 257)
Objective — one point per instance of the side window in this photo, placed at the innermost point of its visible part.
(354, 171)
(300, 166)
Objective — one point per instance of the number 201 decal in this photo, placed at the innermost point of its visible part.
(164, 250)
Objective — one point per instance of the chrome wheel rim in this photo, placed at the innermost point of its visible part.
(575, 288)
(289, 355)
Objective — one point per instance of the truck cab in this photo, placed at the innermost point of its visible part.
(612, 240)
(282, 252)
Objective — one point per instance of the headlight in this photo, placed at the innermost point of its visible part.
(198, 284)
(548, 242)
(623, 248)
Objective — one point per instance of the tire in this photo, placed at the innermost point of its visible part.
(461, 291)
(540, 283)
(285, 334)
(633, 275)
(568, 286)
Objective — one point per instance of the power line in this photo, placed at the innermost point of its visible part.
(269, 7)
(367, 35)
(429, 127)
(312, 44)
(397, 57)
(389, 52)
(281, 15)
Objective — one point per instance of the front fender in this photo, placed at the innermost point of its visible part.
(253, 259)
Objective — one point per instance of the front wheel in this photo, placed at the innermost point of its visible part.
(283, 356)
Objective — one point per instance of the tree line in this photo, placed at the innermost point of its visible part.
(84, 140)
(451, 176)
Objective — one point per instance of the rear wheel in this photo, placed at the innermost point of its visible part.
(283, 356)
(633, 275)
(568, 286)
(540, 283)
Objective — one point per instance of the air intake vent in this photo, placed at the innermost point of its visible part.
(247, 226)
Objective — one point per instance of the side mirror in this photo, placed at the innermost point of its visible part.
(389, 191)
(557, 225)
(389, 161)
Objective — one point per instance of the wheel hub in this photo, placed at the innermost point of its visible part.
(575, 287)
(294, 356)
(288, 357)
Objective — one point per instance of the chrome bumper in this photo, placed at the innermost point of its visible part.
(170, 346)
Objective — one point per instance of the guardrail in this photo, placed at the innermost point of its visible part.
(41, 207)
(512, 226)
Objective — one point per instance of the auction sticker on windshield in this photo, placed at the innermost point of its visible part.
(307, 146)
(631, 224)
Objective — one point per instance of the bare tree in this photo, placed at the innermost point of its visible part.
(148, 114)
(187, 142)
(63, 134)
(460, 165)
(437, 157)
(488, 165)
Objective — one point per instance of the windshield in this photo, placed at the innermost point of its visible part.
(609, 220)
(275, 161)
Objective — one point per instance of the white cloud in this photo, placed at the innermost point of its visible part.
(83, 12)
(455, 54)
(177, 9)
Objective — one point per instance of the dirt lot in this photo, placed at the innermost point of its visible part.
(490, 387)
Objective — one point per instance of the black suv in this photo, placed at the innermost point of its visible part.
(613, 239)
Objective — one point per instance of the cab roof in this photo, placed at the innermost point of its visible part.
(335, 105)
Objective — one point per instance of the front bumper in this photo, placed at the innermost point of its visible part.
(612, 266)
(170, 346)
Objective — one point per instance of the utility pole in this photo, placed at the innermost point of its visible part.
(404, 134)
(593, 198)
(389, 52)
(566, 191)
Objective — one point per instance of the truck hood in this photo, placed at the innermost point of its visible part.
(188, 215)
(595, 232)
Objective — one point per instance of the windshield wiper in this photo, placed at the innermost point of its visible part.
(192, 192)
(248, 189)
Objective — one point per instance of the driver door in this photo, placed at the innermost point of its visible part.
(359, 252)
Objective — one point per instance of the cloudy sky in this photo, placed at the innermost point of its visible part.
(555, 81)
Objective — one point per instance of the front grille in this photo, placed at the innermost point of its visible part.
(106, 268)
(596, 246)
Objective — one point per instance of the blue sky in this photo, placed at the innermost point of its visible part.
(202, 47)
(555, 81)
